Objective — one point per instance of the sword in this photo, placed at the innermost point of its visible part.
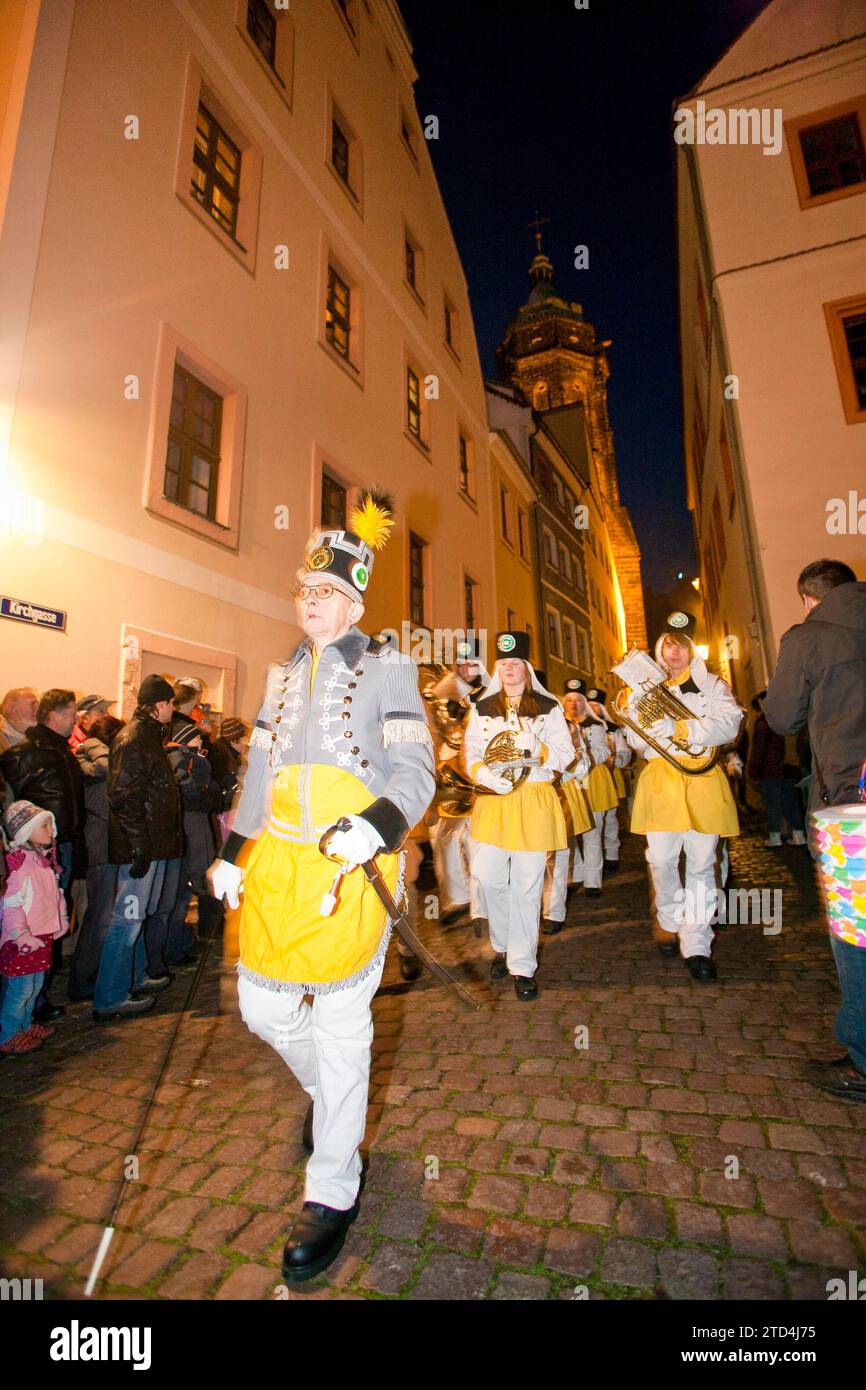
(399, 921)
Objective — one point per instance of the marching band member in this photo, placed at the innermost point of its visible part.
(515, 829)
(599, 787)
(341, 733)
(449, 837)
(622, 756)
(572, 784)
(676, 811)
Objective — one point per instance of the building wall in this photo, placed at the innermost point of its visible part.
(122, 261)
(516, 573)
(585, 589)
(764, 280)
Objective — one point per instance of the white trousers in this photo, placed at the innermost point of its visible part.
(611, 834)
(327, 1046)
(588, 855)
(512, 882)
(688, 913)
(559, 872)
(453, 859)
(724, 862)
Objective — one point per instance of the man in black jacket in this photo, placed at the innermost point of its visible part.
(144, 833)
(820, 683)
(43, 769)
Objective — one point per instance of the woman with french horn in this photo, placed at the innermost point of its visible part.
(516, 741)
(689, 809)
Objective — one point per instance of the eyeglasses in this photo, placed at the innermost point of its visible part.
(321, 591)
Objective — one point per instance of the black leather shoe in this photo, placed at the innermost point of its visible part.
(48, 1012)
(453, 914)
(669, 949)
(611, 866)
(571, 890)
(409, 968)
(307, 1132)
(701, 968)
(130, 1008)
(840, 1078)
(593, 892)
(315, 1240)
(154, 984)
(550, 928)
(525, 987)
(498, 968)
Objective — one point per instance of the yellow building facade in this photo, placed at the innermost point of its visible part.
(230, 299)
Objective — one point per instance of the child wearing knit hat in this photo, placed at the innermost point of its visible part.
(33, 916)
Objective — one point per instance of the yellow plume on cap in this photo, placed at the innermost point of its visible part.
(372, 522)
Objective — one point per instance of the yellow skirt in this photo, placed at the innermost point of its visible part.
(283, 937)
(601, 789)
(579, 815)
(530, 818)
(667, 800)
(619, 783)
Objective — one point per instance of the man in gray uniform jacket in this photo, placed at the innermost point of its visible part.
(341, 735)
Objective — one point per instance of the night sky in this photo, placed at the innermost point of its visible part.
(569, 111)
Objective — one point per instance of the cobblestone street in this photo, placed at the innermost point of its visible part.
(504, 1162)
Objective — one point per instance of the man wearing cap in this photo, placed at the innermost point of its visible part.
(622, 756)
(449, 838)
(516, 827)
(677, 811)
(91, 708)
(341, 735)
(144, 836)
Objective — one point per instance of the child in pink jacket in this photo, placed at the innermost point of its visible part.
(34, 914)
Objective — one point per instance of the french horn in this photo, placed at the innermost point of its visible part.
(655, 700)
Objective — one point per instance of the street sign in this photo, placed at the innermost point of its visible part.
(22, 611)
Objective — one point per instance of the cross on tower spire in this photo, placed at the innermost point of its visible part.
(535, 227)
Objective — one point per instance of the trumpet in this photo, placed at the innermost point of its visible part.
(656, 699)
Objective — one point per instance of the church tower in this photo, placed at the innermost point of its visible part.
(552, 356)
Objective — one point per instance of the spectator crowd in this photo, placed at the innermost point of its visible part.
(109, 825)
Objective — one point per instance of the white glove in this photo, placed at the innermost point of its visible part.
(227, 881)
(578, 772)
(663, 728)
(356, 845)
(485, 777)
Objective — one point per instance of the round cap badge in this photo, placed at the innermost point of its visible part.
(360, 576)
(678, 620)
(573, 684)
(464, 649)
(321, 558)
(506, 642)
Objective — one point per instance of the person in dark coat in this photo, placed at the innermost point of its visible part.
(199, 795)
(226, 757)
(92, 755)
(820, 684)
(144, 837)
(43, 769)
(776, 780)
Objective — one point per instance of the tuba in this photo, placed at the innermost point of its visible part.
(656, 699)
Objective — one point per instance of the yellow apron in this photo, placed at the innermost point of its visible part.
(282, 935)
(619, 783)
(667, 800)
(529, 819)
(577, 805)
(601, 789)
